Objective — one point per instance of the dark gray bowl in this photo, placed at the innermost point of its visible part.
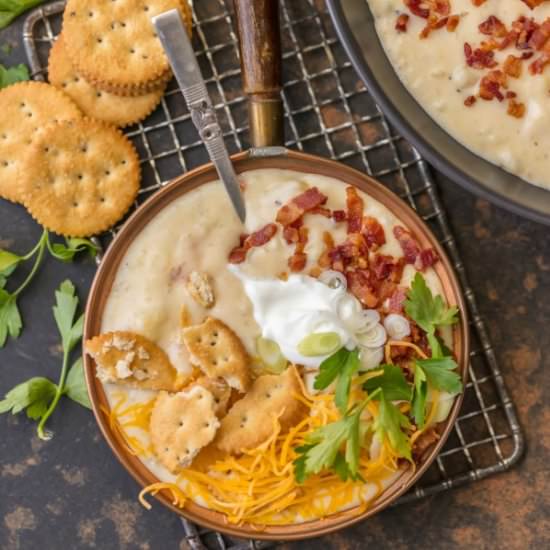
(355, 26)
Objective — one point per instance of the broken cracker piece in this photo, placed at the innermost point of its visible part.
(181, 425)
(219, 390)
(132, 360)
(219, 352)
(200, 288)
(249, 422)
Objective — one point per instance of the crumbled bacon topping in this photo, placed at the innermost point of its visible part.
(299, 205)
(354, 205)
(373, 233)
(402, 23)
(373, 278)
(258, 238)
(421, 259)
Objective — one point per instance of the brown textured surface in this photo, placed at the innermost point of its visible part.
(71, 492)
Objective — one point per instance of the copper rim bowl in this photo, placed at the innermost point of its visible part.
(104, 278)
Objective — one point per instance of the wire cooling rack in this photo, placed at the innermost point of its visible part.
(329, 113)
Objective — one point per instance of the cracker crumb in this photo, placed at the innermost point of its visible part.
(200, 289)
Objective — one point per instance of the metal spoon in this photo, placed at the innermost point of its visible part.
(176, 43)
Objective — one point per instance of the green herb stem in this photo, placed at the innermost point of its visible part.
(40, 247)
(58, 393)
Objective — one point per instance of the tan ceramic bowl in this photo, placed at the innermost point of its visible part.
(102, 286)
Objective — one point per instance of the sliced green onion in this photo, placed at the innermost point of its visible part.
(270, 355)
(320, 343)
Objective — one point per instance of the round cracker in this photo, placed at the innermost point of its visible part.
(81, 177)
(114, 45)
(181, 425)
(117, 110)
(25, 109)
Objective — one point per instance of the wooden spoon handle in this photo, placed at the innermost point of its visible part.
(260, 47)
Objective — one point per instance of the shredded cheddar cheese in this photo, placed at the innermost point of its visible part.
(259, 486)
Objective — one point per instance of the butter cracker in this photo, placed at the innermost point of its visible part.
(181, 425)
(25, 109)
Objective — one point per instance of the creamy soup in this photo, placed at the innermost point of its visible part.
(435, 70)
(197, 233)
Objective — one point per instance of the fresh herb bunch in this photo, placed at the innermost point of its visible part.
(337, 445)
(40, 396)
(10, 9)
(11, 323)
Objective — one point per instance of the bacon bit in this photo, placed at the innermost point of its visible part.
(299, 205)
(489, 87)
(478, 2)
(237, 255)
(426, 259)
(339, 216)
(322, 211)
(397, 300)
(402, 23)
(324, 258)
(452, 23)
(373, 233)
(359, 285)
(382, 266)
(470, 100)
(523, 29)
(538, 66)
(512, 66)
(533, 3)
(510, 95)
(421, 259)
(493, 26)
(290, 232)
(298, 260)
(354, 204)
(258, 238)
(478, 58)
(540, 36)
(424, 441)
(516, 109)
(416, 7)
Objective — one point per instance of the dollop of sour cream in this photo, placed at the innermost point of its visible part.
(289, 310)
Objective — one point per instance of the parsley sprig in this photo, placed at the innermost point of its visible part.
(11, 323)
(39, 396)
(336, 445)
(342, 365)
(439, 372)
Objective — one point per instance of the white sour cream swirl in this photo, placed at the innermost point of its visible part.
(288, 311)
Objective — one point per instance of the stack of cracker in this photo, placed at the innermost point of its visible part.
(61, 153)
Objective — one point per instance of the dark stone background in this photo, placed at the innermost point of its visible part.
(71, 492)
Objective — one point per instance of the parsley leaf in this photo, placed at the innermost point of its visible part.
(11, 75)
(75, 386)
(9, 261)
(10, 9)
(10, 318)
(70, 330)
(34, 395)
(342, 365)
(428, 311)
(66, 252)
(64, 312)
(392, 382)
(440, 374)
(389, 423)
(322, 449)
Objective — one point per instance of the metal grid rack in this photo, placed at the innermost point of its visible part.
(328, 112)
